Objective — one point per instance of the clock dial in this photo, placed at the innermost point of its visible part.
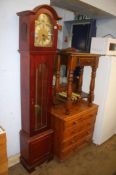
(43, 31)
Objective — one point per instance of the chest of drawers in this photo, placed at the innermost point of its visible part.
(73, 131)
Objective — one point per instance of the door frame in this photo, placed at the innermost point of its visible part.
(79, 23)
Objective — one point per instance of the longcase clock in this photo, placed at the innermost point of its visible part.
(38, 31)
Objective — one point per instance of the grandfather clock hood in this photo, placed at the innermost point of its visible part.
(32, 29)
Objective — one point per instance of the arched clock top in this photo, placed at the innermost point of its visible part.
(49, 8)
(37, 9)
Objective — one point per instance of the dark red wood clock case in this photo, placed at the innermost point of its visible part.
(36, 88)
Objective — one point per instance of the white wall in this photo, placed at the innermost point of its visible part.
(10, 114)
(106, 26)
(105, 5)
(66, 16)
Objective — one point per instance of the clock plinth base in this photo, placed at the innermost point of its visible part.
(36, 149)
(28, 167)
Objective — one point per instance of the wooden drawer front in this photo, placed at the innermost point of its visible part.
(84, 135)
(78, 126)
(77, 120)
(65, 152)
(86, 61)
(3, 155)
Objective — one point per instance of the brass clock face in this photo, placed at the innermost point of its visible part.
(43, 31)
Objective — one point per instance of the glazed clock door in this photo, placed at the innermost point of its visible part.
(40, 97)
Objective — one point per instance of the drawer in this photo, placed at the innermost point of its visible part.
(3, 154)
(77, 120)
(67, 151)
(84, 135)
(86, 61)
(72, 123)
(89, 121)
(78, 126)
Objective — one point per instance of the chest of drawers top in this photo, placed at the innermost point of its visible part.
(78, 110)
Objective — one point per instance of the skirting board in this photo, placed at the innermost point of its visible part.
(13, 160)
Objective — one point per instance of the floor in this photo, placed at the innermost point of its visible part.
(92, 160)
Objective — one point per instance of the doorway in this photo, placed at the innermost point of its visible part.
(81, 35)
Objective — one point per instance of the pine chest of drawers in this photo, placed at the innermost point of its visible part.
(73, 131)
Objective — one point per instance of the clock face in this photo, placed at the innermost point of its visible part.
(43, 31)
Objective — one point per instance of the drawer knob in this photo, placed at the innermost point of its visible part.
(74, 123)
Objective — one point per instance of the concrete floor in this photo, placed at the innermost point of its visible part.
(91, 160)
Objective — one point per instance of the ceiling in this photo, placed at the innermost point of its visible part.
(80, 8)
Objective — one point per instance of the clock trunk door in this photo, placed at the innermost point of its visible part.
(40, 93)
